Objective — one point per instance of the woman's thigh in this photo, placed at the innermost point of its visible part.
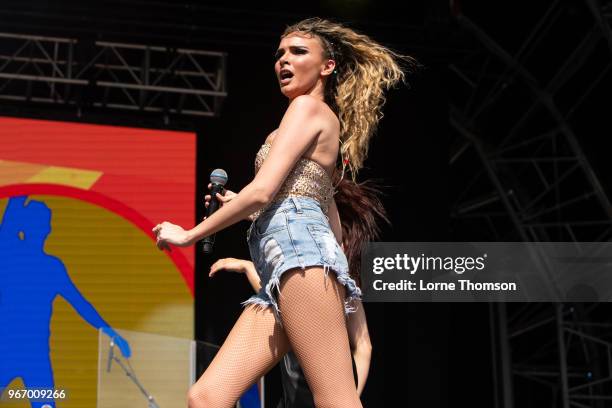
(312, 310)
(254, 345)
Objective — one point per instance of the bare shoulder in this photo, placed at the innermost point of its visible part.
(308, 101)
(318, 109)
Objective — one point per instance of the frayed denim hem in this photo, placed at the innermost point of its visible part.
(267, 298)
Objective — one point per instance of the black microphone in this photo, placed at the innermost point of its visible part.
(218, 178)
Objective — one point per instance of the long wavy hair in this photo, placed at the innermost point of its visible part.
(364, 70)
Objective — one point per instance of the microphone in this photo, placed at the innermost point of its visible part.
(111, 356)
(218, 178)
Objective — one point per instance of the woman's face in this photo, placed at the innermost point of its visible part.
(300, 67)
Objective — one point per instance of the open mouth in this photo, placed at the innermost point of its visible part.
(285, 76)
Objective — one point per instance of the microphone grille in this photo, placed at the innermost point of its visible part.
(218, 176)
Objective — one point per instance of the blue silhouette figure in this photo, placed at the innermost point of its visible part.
(30, 279)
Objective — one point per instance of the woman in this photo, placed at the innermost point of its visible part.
(334, 79)
(361, 210)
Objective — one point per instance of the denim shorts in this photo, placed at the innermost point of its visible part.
(295, 233)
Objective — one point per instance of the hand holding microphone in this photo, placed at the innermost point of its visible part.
(226, 198)
(167, 233)
(218, 178)
(222, 199)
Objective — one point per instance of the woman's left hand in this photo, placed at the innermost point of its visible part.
(229, 264)
(168, 233)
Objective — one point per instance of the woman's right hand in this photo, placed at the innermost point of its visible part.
(229, 264)
(229, 196)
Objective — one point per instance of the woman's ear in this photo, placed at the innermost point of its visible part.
(330, 66)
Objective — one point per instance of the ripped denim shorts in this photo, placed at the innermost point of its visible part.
(295, 233)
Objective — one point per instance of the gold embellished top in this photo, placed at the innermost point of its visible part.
(307, 179)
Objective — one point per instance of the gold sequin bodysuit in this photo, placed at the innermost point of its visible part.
(307, 179)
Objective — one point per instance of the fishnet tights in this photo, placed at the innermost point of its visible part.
(312, 311)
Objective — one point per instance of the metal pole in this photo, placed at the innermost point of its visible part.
(562, 356)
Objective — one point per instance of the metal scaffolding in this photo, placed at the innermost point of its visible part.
(65, 71)
(512, 116)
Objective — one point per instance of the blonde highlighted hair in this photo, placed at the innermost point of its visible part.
(364, 70)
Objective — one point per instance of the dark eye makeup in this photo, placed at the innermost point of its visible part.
(295, 50)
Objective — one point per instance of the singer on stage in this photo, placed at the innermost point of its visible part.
(361, 212)
(335, 80)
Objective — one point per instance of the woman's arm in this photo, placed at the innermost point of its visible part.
(359, 338)
(227, 197)
(253, 276)
(240, 266)
(300, 126)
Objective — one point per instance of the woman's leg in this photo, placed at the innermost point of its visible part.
(312, 310)
(255, 344)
